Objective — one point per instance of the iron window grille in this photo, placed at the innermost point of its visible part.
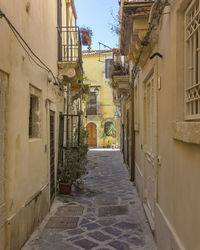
(34, 121)
(192, 38)
(92, 104)
(69, 131)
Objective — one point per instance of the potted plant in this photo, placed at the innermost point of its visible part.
(83, 149)
(69, 171)
(75, 85)
(73, 166)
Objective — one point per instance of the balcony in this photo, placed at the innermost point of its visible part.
(134, 24)
(120, 74)
(120, 66)
(69, 54)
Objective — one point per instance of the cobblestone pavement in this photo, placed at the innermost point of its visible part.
(107, 214)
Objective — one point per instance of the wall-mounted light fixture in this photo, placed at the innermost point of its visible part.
(96, 90)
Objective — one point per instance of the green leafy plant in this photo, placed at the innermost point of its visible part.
(83, 146)
(112, 130)
(103, 134)
(108, 131)
(74, 162)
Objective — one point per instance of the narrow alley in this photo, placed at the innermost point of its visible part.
(106, 214)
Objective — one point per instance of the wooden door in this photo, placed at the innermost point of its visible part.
(127, 138)
(92, 137)
(150, 146)
(52, 155)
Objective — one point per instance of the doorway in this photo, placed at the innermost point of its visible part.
(127, 138)
(52, 155)
(92, 134)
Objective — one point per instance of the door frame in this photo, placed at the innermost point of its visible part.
(150, 156)
(50, 106)
(50, 180)
(128, 137)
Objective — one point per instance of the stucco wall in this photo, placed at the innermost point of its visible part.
(178, 202)
(27, 160)
(3, 104)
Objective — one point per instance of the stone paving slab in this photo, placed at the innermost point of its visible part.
(106, 215)
(62, 222)
(102, 201)
(112, 211)
(67, 211)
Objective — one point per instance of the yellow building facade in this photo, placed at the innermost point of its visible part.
(102, 115)
(31, 101)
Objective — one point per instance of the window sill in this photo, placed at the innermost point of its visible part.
(188, 132)
(34, 139)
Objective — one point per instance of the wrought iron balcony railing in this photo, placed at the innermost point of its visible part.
(69, 44)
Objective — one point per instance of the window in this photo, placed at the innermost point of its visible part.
(34, 119)
(192, 36)
(92, 104)
(108, 63)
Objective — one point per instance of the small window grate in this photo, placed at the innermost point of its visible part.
(34, 119)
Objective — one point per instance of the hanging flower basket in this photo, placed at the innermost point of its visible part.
(86, 36)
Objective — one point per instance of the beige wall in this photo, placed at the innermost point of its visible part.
(27, 160)
(3, 104)
(177, 200)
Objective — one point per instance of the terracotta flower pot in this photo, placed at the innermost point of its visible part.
(65, 188)
(75, 85)
(115, 51)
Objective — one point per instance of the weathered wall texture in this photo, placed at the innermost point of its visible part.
(22, 224)
(3, 107)
(27, 159)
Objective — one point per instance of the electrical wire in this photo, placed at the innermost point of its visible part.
(27, 48)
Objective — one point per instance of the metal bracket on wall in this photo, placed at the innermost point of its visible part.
(1, 14)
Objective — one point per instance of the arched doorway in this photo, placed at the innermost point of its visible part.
(92, 137)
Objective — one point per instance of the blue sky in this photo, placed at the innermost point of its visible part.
(96, 14)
